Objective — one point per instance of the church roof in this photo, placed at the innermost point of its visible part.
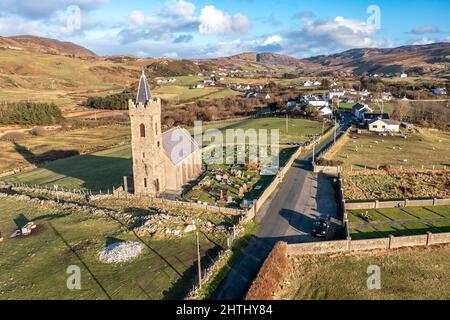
(143, 93)
(178, 144)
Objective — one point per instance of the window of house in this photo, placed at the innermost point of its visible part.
(145, 182)
(375, 126)
(159, 144)
(142, 130)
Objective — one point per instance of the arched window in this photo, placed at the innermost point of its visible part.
(142, 130)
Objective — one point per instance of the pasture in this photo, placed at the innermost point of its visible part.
(420, 274)
(34, 267)
(425, 148)
(410, 218)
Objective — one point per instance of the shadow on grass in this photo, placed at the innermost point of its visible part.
(95, 172)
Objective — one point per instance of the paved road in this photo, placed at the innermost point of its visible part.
(288, 216)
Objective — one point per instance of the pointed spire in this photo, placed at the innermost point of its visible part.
(143, 93)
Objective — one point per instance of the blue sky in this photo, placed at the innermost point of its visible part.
(207, 28)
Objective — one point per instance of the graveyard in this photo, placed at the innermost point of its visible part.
(234, 184)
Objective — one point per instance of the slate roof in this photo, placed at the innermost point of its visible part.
(143, 93)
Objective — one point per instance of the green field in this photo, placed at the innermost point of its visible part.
(298, 130)
(40, 148)
(183, 93)
(425, 148)
(34, 267)
(408, 216)
(97, 171)
(405, 274)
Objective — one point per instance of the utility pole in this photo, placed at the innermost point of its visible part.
(323, 125)
(199, 263)
(335, 129)
(313, 153)
(287, 123)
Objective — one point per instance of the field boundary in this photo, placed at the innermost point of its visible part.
(381, 204)
(350, 245)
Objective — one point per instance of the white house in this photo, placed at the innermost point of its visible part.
(383, 125)
(308, 84)
(335, 93)
(315, 101)
(359, 109)
(403, 75)
(326, 111)
(317, 83)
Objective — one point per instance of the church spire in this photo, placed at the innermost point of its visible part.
(143, 93)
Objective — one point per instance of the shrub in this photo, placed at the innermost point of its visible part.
(39, 132)
(13, 136)
(272, 273)
(328, 163)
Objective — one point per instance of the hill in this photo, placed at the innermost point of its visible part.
(45, 45)
(415, 60)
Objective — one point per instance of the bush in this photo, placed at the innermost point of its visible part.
(328, 163)
(117, 101)
(272, 273)
(39, 132)
(13, 136)
(30, 113)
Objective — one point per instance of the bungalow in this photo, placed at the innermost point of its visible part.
(383, 125)
(308, 83)
(359, 109)
(367, 117)
(403, 75)
(315, 101)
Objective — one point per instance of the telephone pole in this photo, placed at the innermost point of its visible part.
(199, 263)
(287, 123)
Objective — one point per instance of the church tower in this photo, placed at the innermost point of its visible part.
(146, 141)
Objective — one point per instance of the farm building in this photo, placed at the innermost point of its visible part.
(383, 125)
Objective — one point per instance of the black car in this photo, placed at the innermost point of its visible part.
(321, 227)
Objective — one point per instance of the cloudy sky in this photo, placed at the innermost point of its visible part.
(214, 28)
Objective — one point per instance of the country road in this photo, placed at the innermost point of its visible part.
(288, 216)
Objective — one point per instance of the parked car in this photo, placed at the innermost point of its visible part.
(321, 227)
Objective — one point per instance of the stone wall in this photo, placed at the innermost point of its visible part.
(368, 244)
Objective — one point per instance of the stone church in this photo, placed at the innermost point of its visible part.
(163, 162)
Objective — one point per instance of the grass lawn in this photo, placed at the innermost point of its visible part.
(409, 215)
(183, 93)
(405, 274)
(81, 140)
(34, 267)
(426, 148)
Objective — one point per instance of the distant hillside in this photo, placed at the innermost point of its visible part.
(45, 45)
(415, 60)
(173, 68)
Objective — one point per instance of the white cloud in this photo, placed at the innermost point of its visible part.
(214, 21)
(178, 8)
(423, 41)
(271, 40)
